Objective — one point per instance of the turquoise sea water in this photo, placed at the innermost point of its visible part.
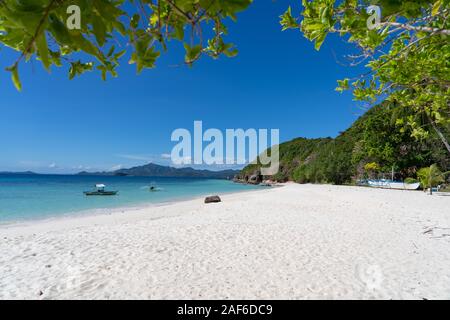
(24, 197)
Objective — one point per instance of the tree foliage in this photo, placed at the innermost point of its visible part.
(372, 146)
(372, 167)
(408, 53)
(108, 28)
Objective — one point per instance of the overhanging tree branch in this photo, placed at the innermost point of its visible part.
(37, 32)
(415, 28)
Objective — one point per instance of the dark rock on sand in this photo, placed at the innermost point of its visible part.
(212, 199)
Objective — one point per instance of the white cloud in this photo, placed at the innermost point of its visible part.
(116, 167)
(52, 165)
(81, 167)
(165, 156)
(135, 157)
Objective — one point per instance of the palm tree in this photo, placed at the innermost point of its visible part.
(430, 176)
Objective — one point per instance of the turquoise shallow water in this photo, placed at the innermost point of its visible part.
(24, 197)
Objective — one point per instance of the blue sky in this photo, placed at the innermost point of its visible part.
(277, 81)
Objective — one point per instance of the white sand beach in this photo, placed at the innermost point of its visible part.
(293, 242)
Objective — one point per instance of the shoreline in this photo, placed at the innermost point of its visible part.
(295, 242)
(37, 200)
(78, 218)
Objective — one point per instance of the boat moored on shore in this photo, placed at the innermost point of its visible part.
(389, 184)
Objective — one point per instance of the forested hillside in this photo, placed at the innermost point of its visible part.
(369, 148)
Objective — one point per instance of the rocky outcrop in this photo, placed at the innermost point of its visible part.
(212, 199)
(254, 178)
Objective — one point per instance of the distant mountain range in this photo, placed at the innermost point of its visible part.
(24, 172)
(155, 170)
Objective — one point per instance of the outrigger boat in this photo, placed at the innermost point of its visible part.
(100, 191)
(390, 184)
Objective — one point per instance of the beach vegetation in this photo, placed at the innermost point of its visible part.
(430, 177)
(371, 167)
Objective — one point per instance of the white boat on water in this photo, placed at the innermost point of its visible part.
(390, 184)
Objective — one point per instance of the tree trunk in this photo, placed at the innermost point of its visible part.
(439, 133)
